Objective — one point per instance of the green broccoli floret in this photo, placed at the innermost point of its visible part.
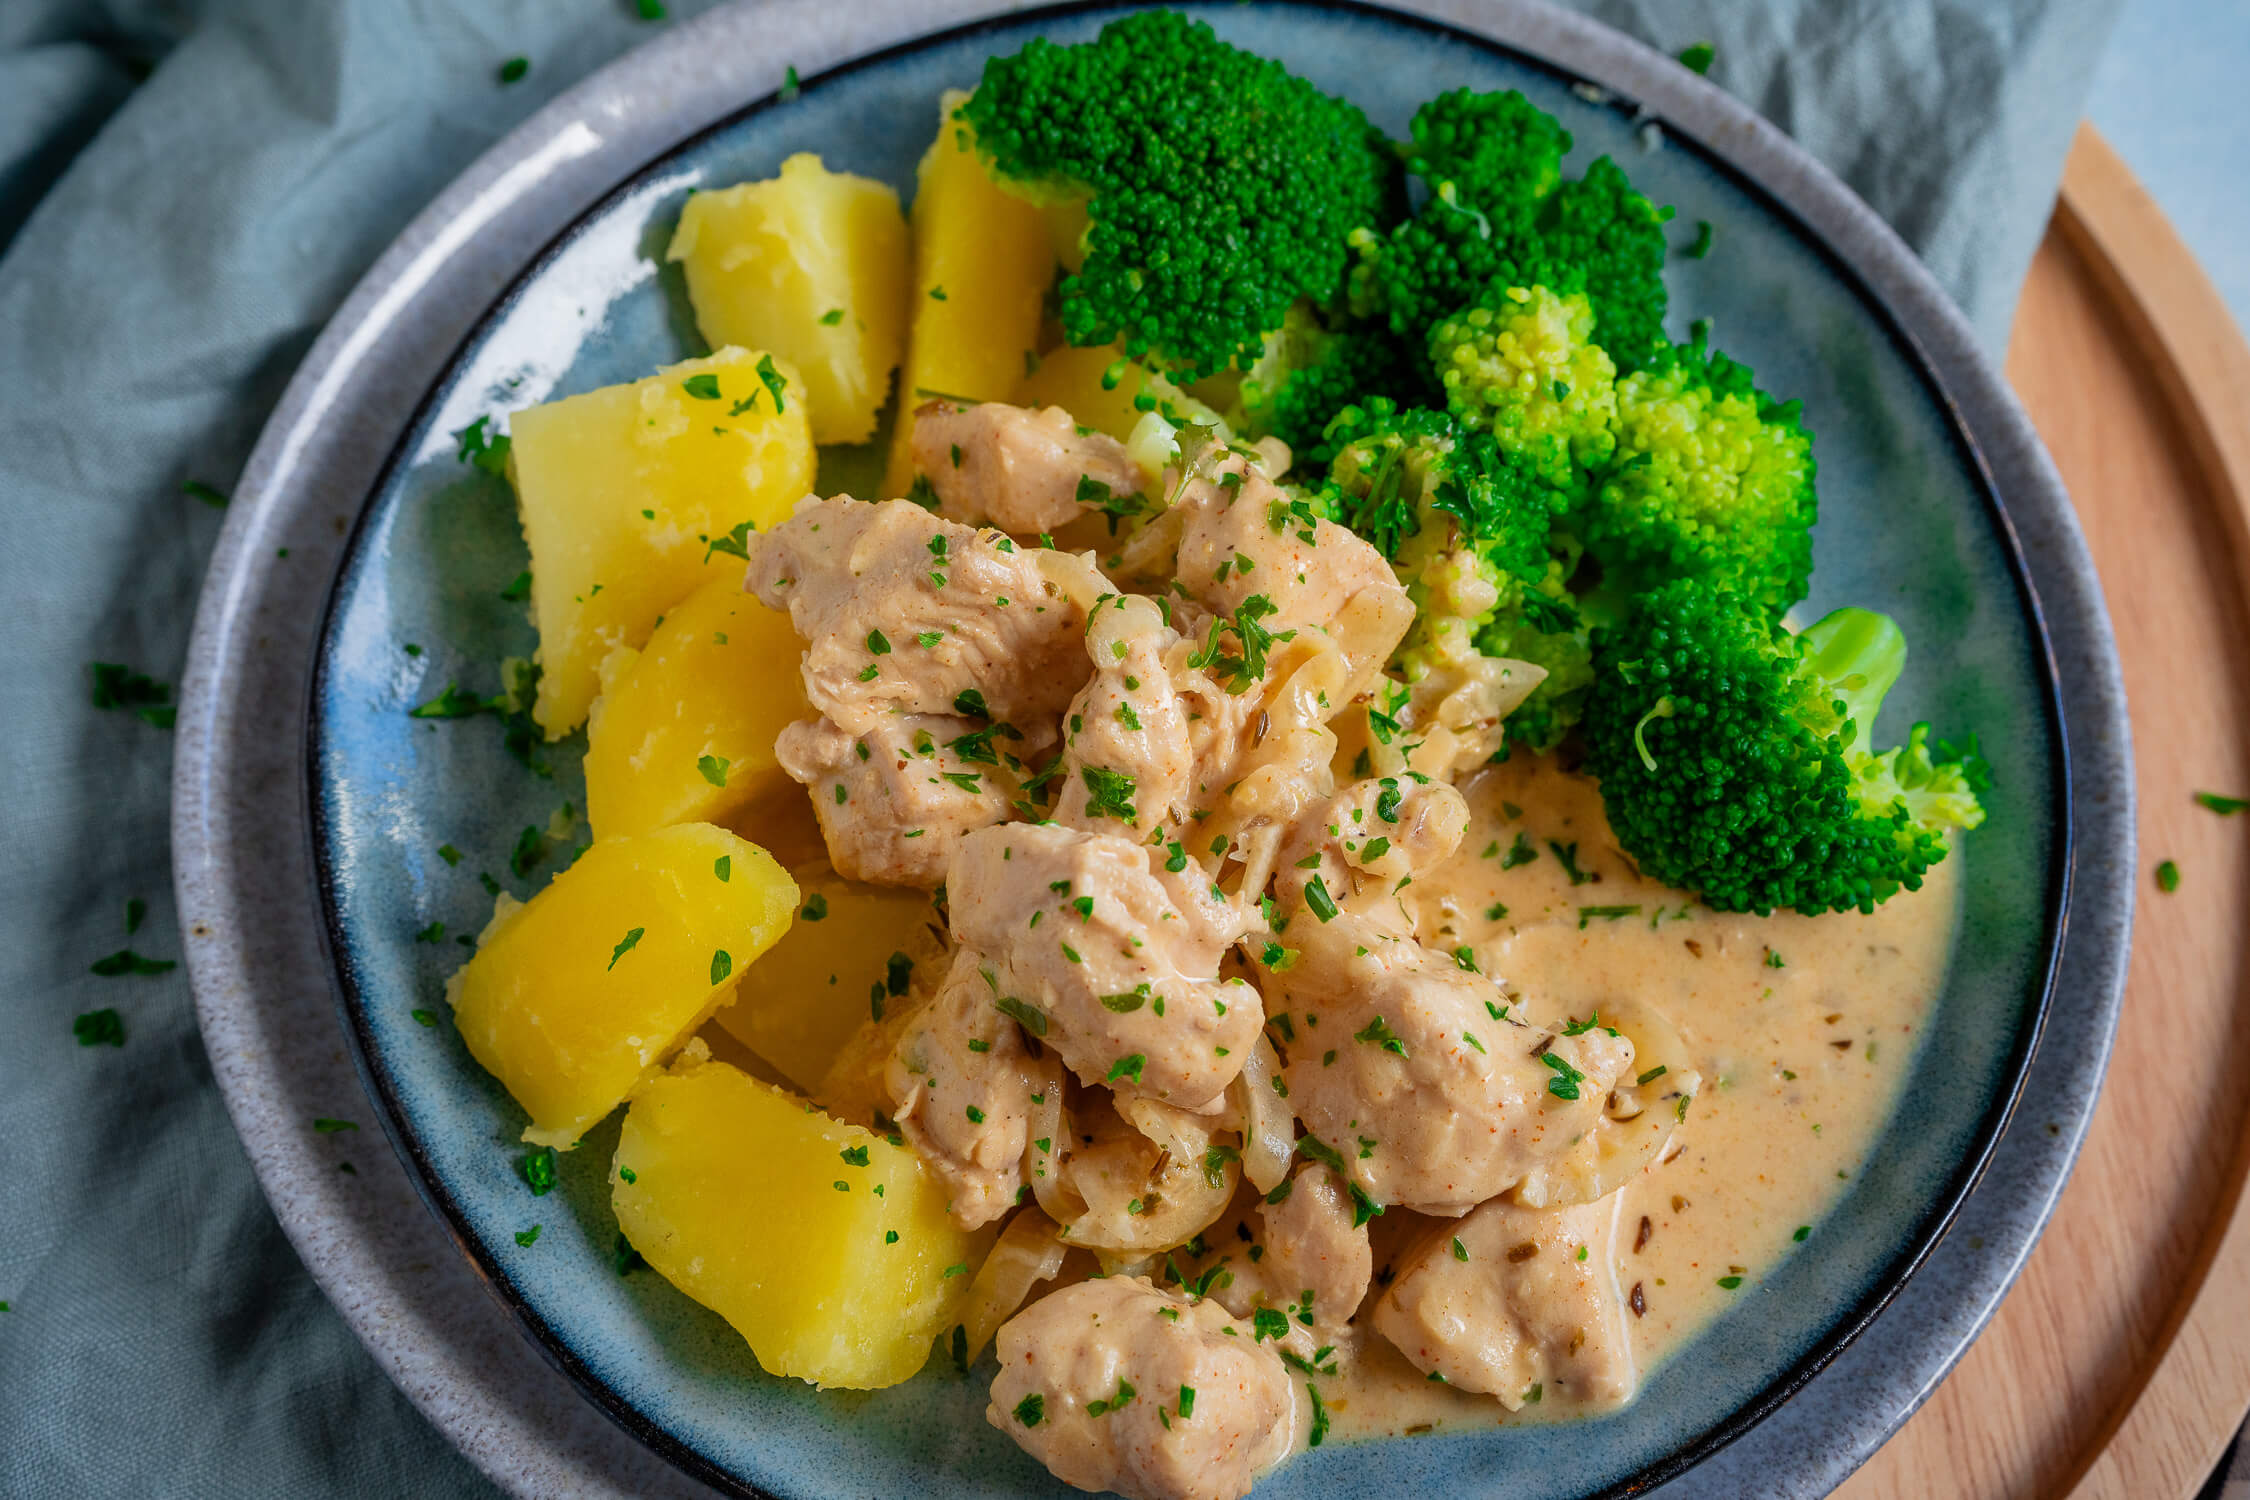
(1489, 162)
(1736, 760)
(1414, 481)
(1520, 366)
(1615, 238)
(1219, 187)
(1712, 479)
(1308, 374)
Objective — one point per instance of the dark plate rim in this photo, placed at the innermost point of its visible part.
(1926, 1235)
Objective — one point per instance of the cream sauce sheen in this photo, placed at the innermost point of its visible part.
(1802, 1028)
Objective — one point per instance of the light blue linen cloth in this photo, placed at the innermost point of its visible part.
(187, 189)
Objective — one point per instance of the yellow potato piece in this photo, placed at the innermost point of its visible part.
(800, 1004)
(825, 1246)
(812, 265)
(684, 729)
(988, 251)
(621, 491)
(576, 994)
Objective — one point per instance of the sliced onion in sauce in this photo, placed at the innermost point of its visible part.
(1026, 1254)
(1144, 1182)
(1637, 1120)
(1268, 1125)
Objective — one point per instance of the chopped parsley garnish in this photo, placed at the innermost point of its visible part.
(1773, 960)
(1268, 1323)
(1386, 801)
(969, 703)
(487, 450)
(1319, 1433)
(1465, 959)
(126, 961)
(625, 945)
(1092, 491)
(1237, 671)
(1124, 1394)
(531, 848)
(510, 72)
(528, 1237)
(714, 768)
(1127, 1067)
(1378, 1031)
(423, 1017)
(1730, 1282)
(198, 490)
(449, 854)
(1702, 245)
(736, 543)
(722, 965)
(967, 781)
(1652, 1075)
(773, 380)
(119, 686)
(702, 387)
(434, 933)
(854, 1156)
(326, 1126)
(539, 1171)
(723, 867)
(1374, 849)
(1564, 1085)
(2167, 877)
(898, 971)
(815, 908)
(2225, 807)
(519, 589)
(878, 644)
(1607, 913)
(1697, 59)
(1316, 896)
(1567, 855)
(1030, 1017)
(1125, 1004)
(1187, 1402)
(99, 1028)
(1519, 853)
(1032, 1410)
(1109, 794)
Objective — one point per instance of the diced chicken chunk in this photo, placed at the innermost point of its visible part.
(1451, 1098)
(1150, 739)
(903, 612)
(961, 1084)
(1512, 1300)
(1314, 1258)
(1020, 470)
(1240, 543)
(1368, 839)
(1116, 959)
(1116, 1386)
(895, 802)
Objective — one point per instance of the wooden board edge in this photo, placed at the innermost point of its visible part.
(2155, 282)
(2197, 1386)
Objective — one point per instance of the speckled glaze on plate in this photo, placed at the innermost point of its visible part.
(1919, 447)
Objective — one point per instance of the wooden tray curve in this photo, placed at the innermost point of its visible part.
(2118, 1368)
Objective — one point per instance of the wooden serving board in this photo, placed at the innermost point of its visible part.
(2119, 1366)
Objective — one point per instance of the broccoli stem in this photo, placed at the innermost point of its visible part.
(1860, 655)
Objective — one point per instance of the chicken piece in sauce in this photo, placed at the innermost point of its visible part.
(1117, 1386)
(1313, 1258)
(1114, 957)
(1519, 1304)
(903, 612)
(1021, 470)
(962, 1084)
(1242, 550)
(1416, 1062)
(895, 802)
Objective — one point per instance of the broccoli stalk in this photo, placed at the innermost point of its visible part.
(1737, 760)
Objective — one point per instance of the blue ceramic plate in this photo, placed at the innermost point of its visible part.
(1911, 524)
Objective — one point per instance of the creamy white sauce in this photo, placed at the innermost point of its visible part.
(1802, 1028)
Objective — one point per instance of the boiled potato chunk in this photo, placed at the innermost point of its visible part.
(812, 265)
(684, 729)
(850, 953)
(825, 1246)
(576, 994)
(622, 490)
(987, 251)
(1072, 379)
